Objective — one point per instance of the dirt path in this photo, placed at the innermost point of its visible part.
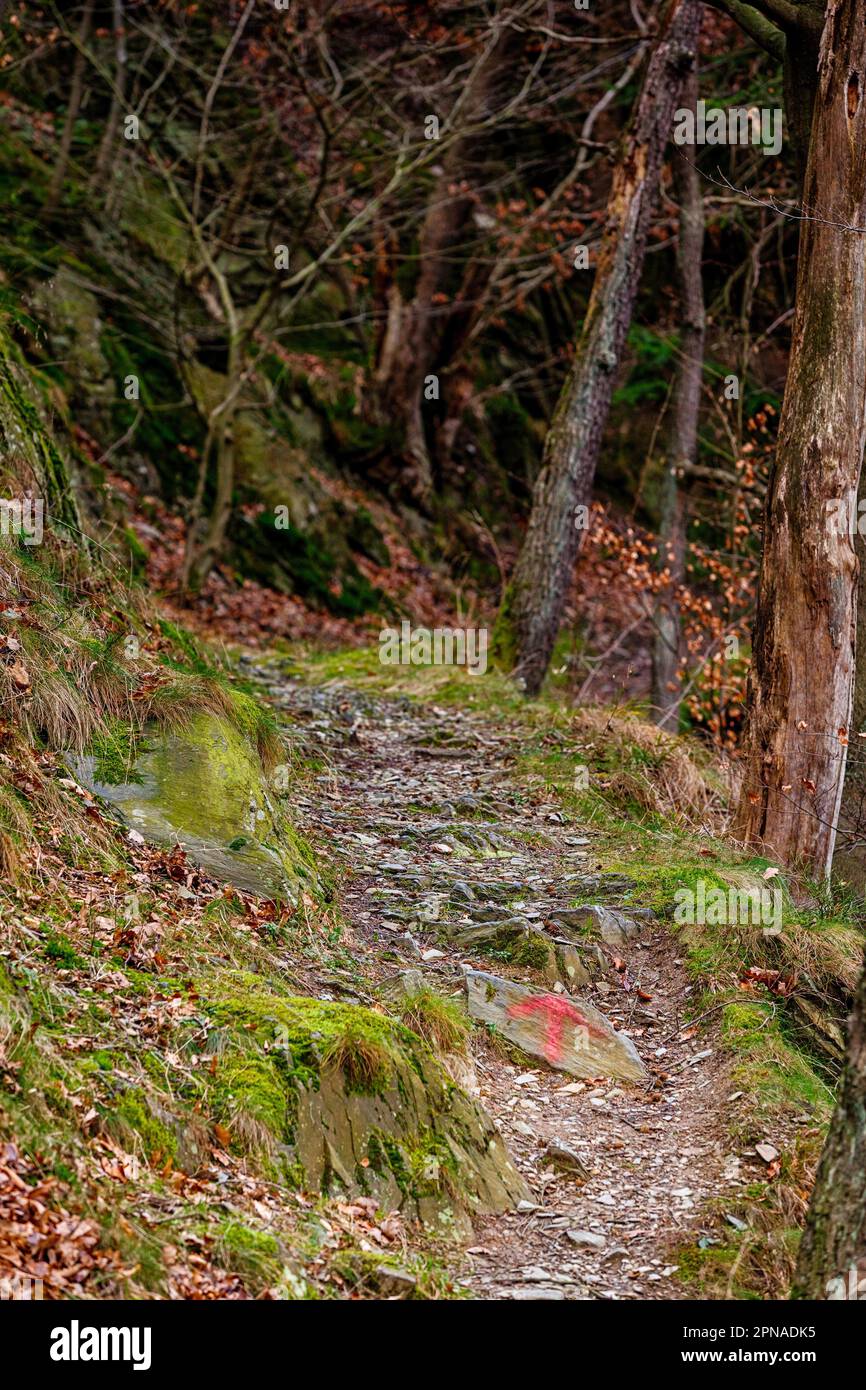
(420, 809)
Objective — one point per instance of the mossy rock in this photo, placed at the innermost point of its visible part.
(302, 540)
(74, 325)
(348, 1099)
(203, 788)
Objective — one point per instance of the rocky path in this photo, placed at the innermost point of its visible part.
(418, 806)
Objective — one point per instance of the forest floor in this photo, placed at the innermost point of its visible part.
(430, 825)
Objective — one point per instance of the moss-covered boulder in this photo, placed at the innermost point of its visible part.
(74, 327)
(342, 1098)
(203, 787)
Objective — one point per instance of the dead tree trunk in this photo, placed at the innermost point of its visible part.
(800, 684)
(534, 602)
(832, 1257)
(682, 452)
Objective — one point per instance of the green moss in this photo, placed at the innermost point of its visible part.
(251, 1098)
(706, 1271)
(115, 750)
(203, 785)
(138, 555)
(433, 1168)
(132, 1116)
(307, 1034)
(60, 950)
(254, 1255)
(503, 645)
(530, 951)
(779, 1076)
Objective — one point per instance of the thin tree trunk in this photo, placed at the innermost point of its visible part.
(683, 448)
(800, 684)
(532, 610)
(107, 146)
(73, 107)
(415, 329)
(850, 856)
(832, 1256)
(202, 551)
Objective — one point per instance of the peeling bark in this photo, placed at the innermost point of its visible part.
(800, 684)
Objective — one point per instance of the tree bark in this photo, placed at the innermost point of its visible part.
(74, 105)
(833, 1247)
(850, 855)
(415, 329)
(800, 684)
(532, 610)
(107, 146)
(682, 452)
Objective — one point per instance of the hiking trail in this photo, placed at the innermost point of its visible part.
(428, 825)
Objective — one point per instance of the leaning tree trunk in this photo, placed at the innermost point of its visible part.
(682, 452)
(832, 1257)
(800, 684)
(533, 605)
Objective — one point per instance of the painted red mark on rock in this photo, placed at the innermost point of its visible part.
(557, 1012)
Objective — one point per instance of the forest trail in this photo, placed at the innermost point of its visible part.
(420, 812)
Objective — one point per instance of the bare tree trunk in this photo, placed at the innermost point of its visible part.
(800, 684)
(204, 540)
(74, 106)
(415, 329)
(682, 452)
(107, 151)
(532, 610)
(850, 854)
(833, 1247)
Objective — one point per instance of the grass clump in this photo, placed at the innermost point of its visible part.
(363, 1058)
(439, 1021)
(254, 1255)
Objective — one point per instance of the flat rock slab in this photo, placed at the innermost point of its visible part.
(565, 1031)
(614, 927)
